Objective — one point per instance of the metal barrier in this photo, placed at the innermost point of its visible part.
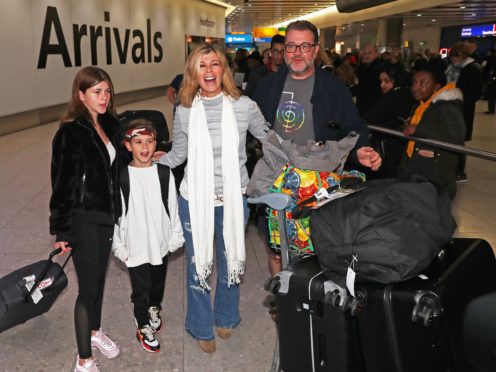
(435, 143)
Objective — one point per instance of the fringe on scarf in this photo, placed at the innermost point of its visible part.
(204, 275)
(235, 270)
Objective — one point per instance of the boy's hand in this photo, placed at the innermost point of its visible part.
(158, 154)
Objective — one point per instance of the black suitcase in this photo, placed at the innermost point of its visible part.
(316, 331)
(19, 304)
(417, 325)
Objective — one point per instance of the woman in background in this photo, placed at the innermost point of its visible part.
(390, 111)
(438, 116)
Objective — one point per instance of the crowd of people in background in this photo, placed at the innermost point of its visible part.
(381, 84)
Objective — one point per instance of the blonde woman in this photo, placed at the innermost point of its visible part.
(210, 131)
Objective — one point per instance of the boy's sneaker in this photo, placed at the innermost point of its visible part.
(155, 319)
(88, 366)
(146, 337)
(105, 345)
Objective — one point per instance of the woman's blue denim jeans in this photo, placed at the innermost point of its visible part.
(200, 317)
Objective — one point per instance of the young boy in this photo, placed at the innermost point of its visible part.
(148, 229)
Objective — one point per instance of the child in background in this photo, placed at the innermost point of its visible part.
(148, 229)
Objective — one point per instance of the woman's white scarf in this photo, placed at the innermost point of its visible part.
(201, 192)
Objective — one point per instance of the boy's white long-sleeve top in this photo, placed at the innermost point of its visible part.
(145, 234)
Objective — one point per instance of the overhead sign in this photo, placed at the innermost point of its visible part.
(207, 22)
(238, 39)
(264, 32)
(479, 30)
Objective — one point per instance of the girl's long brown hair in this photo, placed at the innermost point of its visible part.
(191, 85)
(86, 78)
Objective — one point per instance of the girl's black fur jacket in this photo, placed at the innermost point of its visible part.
(84, 185)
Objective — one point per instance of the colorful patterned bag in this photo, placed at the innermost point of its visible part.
(301, 184)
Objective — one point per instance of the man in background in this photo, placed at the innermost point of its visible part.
(276, 59)
(369, 86)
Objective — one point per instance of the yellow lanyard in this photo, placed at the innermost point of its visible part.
(419, 112)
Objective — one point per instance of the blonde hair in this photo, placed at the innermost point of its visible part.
(191, 85)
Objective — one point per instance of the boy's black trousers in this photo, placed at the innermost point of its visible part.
(148, 284)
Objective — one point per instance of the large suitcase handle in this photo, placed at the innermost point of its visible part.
(45, 270)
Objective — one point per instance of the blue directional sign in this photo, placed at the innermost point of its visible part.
(479, 30)
(238, 39)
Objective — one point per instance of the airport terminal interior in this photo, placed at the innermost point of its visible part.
(47, 343)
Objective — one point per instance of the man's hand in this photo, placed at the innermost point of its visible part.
(158, 154)
(369, 158)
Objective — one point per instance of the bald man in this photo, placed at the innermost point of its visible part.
(369, 86)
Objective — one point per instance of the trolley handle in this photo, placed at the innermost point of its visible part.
(41, 277)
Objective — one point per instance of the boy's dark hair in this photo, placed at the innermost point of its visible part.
(140, 124)
(302, 25)
(277, 39)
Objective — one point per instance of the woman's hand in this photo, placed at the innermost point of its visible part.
(369, 158)
(64, 246)
(409, 130)
(158, 154)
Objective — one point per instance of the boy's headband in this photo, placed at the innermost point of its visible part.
(134, 132)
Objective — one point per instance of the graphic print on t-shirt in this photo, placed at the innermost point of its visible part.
(294, 116)
(290, 114)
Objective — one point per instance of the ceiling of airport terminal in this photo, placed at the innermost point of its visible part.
(457, 13)
(257, 13)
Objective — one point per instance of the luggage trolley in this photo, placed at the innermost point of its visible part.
(327, 305)
(310, 308)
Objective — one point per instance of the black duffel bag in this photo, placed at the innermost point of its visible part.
(392, 228)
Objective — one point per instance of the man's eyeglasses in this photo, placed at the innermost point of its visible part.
(304, 47)
(278, 51)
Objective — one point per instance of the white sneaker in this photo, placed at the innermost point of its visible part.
(155, 319)
(88, 366)
(104, 344)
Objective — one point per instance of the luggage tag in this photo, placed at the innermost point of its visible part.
(322, 194)
(350, 276)
(36, 295)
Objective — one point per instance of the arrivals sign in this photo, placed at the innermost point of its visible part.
(479, 30)
(144, 46)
